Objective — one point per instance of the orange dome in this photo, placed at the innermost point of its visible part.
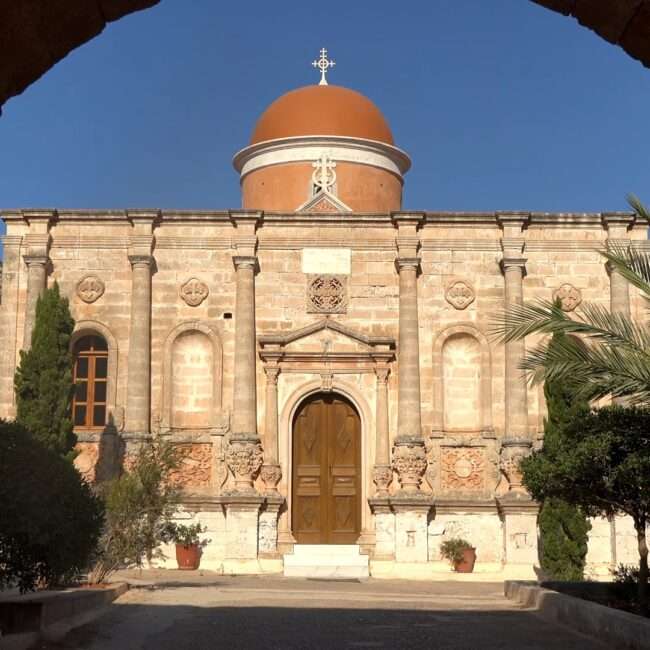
(322, 110)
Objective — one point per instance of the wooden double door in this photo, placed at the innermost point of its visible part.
(326, 485)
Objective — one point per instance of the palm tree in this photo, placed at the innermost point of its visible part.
(608, 354)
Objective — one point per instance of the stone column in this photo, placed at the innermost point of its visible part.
(382, 472)
(619, 289)
(517, 441)
(244, 455)
(271, 471)
(36, 284)
(409, 457)
(138, 399)
(10, 340)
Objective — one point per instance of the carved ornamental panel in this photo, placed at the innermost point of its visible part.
(194, 466)
(460, 294)
(327, 294)
(194, 292)
(90, 288)
(570, 297)
(463, 468)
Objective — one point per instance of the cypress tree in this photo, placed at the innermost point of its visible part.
(43, 380)
(563, 527)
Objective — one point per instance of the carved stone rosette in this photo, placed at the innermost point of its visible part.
(271, 475)
(512, 453)
(460, 294)
(382, 477)
(90, 288)
(244, 457)
(410, 463)
(194, 292)
(569, 296)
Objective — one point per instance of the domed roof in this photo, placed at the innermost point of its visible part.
(322, 110)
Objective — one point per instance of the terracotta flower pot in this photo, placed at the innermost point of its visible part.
(466, 565)
(188, 557)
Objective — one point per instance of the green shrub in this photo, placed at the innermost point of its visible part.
(43, 380)
(139, 507)
(49, 518)
(184, 535)
(452, 549)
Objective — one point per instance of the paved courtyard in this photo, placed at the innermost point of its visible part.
(197, 612)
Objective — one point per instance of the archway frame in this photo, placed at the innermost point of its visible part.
(485, 377)
(167, 379)
(290, 409)
(95, 328)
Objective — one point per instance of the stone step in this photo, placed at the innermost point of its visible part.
(327, 573)
(327, 550)
(326, 561)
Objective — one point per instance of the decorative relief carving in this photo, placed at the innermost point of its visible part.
(86, 459)
(512, 453)
(194, 465)
(90, 288)
(326, 294)
(460, 294)
(271, 475)
(410, 462)
(382, 477)
(570, 297)
(194, 292)
(463, 468)
(244, 457)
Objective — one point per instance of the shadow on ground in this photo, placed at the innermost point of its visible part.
(179, 627)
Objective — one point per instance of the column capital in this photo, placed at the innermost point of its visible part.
(382, 373)
(271, 373)
(407, 218)
(36, 260)
(621, 219)
(513, 262)
(407, 263)
(513, 218)
(140, 261)
(245, 261)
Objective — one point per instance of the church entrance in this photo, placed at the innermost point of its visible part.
(326, 481)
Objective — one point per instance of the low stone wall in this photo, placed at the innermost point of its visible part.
(50, 615)
(614, 627)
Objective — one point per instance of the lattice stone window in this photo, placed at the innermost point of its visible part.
(327, 294)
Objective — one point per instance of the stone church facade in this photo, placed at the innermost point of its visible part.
(320, 356)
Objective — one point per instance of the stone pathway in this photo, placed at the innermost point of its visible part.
(195, 612)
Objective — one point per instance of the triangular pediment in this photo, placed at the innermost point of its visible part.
(326, 335)
(324, 202)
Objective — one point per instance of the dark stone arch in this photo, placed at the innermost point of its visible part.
(36, 34)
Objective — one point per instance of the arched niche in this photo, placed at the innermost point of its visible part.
(466, 338)
(95, 328)
(197, 339)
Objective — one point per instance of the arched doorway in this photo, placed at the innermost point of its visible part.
(326, 476)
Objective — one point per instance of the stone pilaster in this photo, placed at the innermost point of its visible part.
(382, 473)
(271, 471)
(36, 257)
(138, 399)
(513, 266)
(244, 455)
(9, 342)
(36, 284)
(409, 457)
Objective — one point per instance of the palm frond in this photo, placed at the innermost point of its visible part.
(592, 371)
(518, 321)
(638, 207)
(632, 264)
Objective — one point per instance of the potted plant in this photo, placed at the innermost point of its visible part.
(460, 553)
(188, 545)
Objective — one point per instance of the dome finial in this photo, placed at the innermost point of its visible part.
(323, 63)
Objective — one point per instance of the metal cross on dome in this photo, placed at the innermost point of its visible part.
(323, 64)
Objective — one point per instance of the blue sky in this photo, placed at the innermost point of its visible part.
(501, 104)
